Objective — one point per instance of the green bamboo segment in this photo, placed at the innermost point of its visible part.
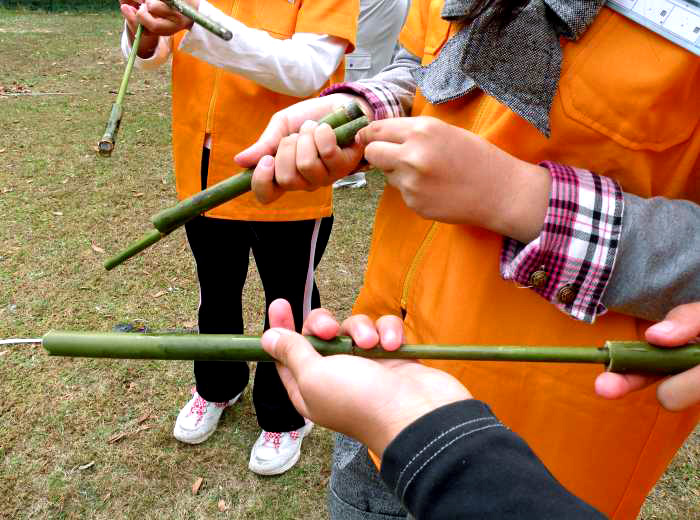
(169, 219)
(618, 356)
(638, 357)
(106, 144)
(134, 248)
(200, 19)
(172, 218)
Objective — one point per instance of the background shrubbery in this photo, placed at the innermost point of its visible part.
(60, 5)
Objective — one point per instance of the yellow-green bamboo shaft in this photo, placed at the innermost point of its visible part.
(630, 356)
(346, 122)
(108, 140)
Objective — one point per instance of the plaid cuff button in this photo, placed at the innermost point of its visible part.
(566, 295)
(538, 279)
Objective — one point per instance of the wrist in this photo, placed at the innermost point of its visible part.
(525, 202)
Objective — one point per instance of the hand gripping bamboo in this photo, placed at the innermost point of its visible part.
(346, 122)
(617, 356)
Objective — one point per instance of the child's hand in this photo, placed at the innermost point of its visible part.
(306, 155)
(130, 12)
(448, 174)
(160, 19)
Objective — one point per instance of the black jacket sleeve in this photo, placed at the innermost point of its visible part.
(459, 461)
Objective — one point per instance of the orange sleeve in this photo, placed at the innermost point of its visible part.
(412, 35)
(333, 17)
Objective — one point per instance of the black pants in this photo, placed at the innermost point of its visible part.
(286, 253)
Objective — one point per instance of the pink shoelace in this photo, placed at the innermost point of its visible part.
(276, 438)
(200, 406)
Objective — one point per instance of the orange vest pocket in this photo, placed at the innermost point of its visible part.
(642, 102)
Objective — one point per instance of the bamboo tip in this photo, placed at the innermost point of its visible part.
(105, 147)
(227, 35)
(353, 110)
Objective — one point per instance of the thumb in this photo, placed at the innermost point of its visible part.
(681, 325)
(290, 349)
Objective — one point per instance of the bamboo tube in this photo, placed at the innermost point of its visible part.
(210, 25)
(618, 356)
(345, 123)
(106, 143)
(172, 218)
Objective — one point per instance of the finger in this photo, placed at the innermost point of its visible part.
(263, 182)
(395, 130)
(362, 331)
(337, 161)
(280, 314)
(321, 323)
(276, 129)
(681, 325)
(390, 329)
(385, 156)
(680, 391)
(614, 386)
(286, 174)
(129, 14)
(309, 164)
(290, 349)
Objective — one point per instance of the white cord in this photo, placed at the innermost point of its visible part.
(17, 341)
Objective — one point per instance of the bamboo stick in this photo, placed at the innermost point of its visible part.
(345, 123)
(210, 25)
(106, 144)
(618, 356)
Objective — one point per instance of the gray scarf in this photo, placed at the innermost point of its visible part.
(519, 65)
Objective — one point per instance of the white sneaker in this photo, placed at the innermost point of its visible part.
(274, 453)
(355, 180)
(198, 419)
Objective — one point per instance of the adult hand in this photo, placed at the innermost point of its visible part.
(680, 326)
(449, 174)
(372, 401)
(307, 155)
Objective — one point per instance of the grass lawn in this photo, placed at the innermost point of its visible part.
(90, 438)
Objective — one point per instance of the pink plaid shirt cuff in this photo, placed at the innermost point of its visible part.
(570, 263)
(384, 104)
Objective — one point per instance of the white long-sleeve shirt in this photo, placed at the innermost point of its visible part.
(297, 66)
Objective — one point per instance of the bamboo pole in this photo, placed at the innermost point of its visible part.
(618, 356)
(345, 123)
(106, 144)
(210, 25)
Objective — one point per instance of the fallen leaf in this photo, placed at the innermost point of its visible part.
(159, 294)
(106, 497)
(144, 417)
(30, 181)
(58, 213)
(139, 194)
(7, 190)
(86, 466)
(117, 437)
(197, 484)
(190, 324)
(64, 181)
(142, 428)
(3, 150)
(222, 506)
(97, 248)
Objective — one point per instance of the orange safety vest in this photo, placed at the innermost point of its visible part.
(235, 110)
(627, 107)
